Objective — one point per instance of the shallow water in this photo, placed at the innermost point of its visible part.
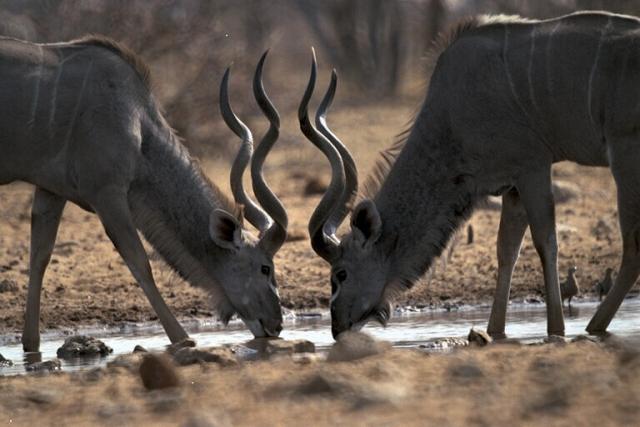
(407, 329)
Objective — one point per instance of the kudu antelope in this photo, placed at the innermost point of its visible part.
(508, 97)
(80, 123)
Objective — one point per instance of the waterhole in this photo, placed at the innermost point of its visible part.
(407, 328)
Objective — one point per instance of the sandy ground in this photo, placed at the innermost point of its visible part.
(583, 383)
(87, 283)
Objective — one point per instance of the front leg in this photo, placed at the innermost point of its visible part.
(537, 198)
(112, 207)
(513, 223)
(45, 219)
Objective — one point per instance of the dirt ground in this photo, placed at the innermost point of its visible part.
(87, 283)
(582, 383)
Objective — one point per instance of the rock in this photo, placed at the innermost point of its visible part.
(479, 338)
(187, 342)
(5, 362)
(564, 191)
(589, 338)
(555, 339)
(49, 365)
(320, 383)
(139, 349)
(93, 375)
(271, 346)
(165, 400)
(82, 346)
(296, 235)
(444, 343)
(42, 396)
(130, 362)
(158, 372)
(7, 285)
(464, 371)
(355, 345)
(307, 358)
(314, 186)
(189, 356)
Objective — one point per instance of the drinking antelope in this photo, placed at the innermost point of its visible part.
(79, 122)
(508, 97)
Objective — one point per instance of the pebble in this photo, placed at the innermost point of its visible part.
(353, 345)
(479, 338)
(49, 365)
(7, 285)
(555, 339)
(189, 356)
(271, 346)
(139, 349)
(42, 397)
(5, 362)
(158, 372)
(131, 362)
(82, 346)
(187, 342)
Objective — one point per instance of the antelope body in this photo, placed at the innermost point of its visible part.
(78, 121)
(508, 97)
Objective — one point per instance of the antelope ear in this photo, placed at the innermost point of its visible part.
(366, 224)
(225, 230)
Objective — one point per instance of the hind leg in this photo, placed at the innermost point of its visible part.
(513, 224)
(624, 166)
(537, 198)
(45, 219)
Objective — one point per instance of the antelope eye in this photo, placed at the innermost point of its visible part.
(341, 276)
(266, 270)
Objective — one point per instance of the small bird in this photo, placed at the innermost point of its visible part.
(603, 287)
(569, 288)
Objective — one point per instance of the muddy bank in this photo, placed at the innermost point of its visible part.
(581, 383)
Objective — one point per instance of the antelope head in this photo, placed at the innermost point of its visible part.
(249, 278)
(359, 262)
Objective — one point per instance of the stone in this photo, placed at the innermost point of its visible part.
(48, 365)
(315, 186)
(464, 371)
(272, 346)
(5, 362)
(440, 344)
(7, 285)
(479, 338)
(130, 362)
(555, 339)
(158, 372)
(42, 397)
(307, 358)
(174, 347)
(189, 356)
(352, 345)
(564, 191)
(83, 346)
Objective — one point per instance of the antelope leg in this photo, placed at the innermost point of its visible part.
(112, 208)
(537, 198)
(513, 223)
(45, 218)
(627, 179)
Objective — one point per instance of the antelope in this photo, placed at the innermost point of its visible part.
(80, 123)
(508, 97)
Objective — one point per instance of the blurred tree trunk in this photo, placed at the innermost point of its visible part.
(363, 38)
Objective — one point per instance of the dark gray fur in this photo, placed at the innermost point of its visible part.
(78, 121)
